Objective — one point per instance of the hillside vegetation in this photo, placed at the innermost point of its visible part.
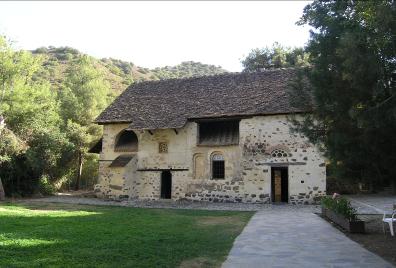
(118, 73)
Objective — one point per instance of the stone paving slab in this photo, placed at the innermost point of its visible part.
(286, 238)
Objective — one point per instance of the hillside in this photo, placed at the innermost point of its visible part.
(119, 73)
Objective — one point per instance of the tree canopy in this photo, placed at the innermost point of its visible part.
(352, 51)
(275, 57)
(31, 138)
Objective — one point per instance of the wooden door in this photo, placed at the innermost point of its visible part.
(277, 185)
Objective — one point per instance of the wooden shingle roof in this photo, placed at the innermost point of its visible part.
(170, 103)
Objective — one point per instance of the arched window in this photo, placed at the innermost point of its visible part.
(279, 153)
(218, 166)
(126, 141)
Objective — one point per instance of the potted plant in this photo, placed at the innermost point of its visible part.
(340, 211)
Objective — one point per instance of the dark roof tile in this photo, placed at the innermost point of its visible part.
(170, 103)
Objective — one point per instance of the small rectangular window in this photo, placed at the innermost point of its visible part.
(163, 147)
(218, 169)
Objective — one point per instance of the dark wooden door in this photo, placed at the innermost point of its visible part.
(166, 185)
(279, 184)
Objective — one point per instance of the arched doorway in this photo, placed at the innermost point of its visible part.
(166, 184)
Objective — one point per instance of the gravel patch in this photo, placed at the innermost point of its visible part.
(182, 204)
(374, 239)
(372, 203)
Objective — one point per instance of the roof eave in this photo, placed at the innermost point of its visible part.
(242, 116)
(200, 118)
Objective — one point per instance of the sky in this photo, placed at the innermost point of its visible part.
(156, 34)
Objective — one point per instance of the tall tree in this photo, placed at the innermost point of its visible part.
(30, 110)
(352, 50)
(83, 97)
(275, 57)
(16, 70)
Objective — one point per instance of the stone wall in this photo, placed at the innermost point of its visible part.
(247, 165)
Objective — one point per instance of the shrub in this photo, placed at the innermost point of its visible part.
(45, 186)
(90, 172)
(341, 206)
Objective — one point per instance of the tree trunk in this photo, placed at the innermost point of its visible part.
(80, 163)
(2, 193)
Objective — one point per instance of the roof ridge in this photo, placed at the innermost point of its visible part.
(225, 74)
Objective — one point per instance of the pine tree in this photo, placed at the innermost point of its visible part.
(83, 97)
(352, 50)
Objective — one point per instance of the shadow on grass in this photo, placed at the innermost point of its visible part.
(80, 235)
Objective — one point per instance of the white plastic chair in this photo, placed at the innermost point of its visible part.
(390, 221)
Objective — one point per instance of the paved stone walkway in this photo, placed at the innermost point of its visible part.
(286, 238)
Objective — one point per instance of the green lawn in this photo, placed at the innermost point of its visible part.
(63, 235)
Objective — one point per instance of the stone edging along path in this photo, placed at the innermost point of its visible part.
(173, 204)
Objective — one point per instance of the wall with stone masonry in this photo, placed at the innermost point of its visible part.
(247, 165)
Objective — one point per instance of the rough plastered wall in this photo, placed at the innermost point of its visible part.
(114, 182)
(135, 180)
(247, 165)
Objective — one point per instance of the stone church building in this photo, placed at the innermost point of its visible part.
(222, 138)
